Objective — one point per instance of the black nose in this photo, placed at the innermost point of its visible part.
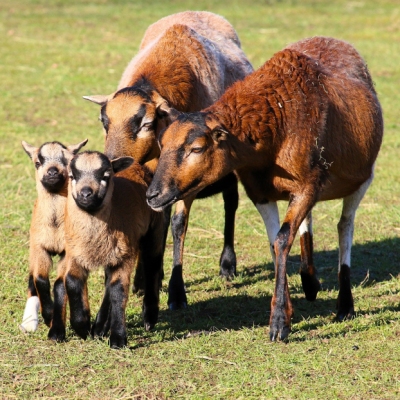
(52, 172)
(86, 192)
(151, 194)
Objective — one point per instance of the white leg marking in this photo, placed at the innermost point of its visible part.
(346, 223)
(30, 319)
(306, 225)
(270, 215)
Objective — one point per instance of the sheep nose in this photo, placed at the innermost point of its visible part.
(86, 192)
(52, 172)
(151, 194)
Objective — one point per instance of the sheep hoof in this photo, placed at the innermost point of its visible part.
(344, 314)
(228, 263)
(281, 334)
(118, 341)
(311, 285)
(173, 306)
(57, 335)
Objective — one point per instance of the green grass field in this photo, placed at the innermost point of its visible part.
(54, 52)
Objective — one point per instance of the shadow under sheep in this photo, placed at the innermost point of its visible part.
(372, 262)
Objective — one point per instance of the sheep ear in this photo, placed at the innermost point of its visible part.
(74, 148)
(219, 134)
(121, 163)
(166, 115)
(99, 99)
(29, 149)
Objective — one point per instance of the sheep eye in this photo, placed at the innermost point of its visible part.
(37, 164)
(197, 150)
(147, 125)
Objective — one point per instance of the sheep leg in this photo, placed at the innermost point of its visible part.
(101, 325)
(118, 292)
(309, 280)
(153, 250)
(57, 329)
(176, 287)
(75, 282)
(345, 304)
(138, 282)
(270, 215)
(281, 305)
(39, 283)
(228, 257)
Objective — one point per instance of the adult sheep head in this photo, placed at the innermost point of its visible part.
(132, 119)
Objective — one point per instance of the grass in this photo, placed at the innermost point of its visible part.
(51, 54)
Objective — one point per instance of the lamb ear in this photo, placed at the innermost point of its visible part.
(218, 134)
(29, 149)
(74, 148)
(121, 163)
(99, 99)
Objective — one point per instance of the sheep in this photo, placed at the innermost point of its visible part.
(185, 61)
(47, 226)
(107, 222)
(305, 127)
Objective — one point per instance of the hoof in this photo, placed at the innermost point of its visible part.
(227, 263)
(118, 341)
(176, 306)
(311, 285)
(279, 333)
(343, 315)
(56, 334)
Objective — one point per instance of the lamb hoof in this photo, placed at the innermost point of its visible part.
(279, 333)
(228, 264)
(118, 342)
(57, 335)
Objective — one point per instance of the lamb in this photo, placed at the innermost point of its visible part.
(47, 226)
(305, 127)
(186, 61)
(107, 222)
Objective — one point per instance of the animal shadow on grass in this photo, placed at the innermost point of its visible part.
(372, 262)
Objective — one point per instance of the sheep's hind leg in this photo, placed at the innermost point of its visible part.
(309, 280)
(345, 304)
(228, 257)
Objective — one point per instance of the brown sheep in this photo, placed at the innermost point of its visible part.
(186, 61)
(305, 127)
(107, 223)
(47, 226)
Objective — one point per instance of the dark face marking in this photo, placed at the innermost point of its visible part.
(134, 123)
(90, 173)
(53, 162)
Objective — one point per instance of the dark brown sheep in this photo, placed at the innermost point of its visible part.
(305, 127)
(186, 61)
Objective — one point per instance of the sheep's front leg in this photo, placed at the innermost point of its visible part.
(118, 292)
(281, 305)
(57, 329)
(345, 304)
(176, 288)
(228, 257)
(76, 286)
(308, 273)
